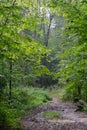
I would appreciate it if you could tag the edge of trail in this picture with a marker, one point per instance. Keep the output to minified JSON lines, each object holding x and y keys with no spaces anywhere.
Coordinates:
{"x":70,"y":118}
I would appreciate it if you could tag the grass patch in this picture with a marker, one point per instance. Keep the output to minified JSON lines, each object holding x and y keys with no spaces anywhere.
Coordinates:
{"x":58,"y":93}
{"x":52,"y":114}
{"x":23,"y":99}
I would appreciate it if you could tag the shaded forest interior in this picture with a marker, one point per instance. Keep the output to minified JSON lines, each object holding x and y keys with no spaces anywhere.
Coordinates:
{"x":43,"y":47}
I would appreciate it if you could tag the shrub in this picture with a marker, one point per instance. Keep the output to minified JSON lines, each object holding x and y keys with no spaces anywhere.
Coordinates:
{"x":22,"y":99}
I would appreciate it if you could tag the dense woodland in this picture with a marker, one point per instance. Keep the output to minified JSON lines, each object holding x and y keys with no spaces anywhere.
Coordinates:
{"x":43,"y":46}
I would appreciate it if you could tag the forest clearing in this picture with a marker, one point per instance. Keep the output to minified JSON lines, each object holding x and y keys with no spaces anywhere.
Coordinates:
{"x":43,"y":64}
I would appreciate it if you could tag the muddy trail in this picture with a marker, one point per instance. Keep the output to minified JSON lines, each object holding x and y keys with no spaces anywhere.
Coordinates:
{"x":70,"y":119}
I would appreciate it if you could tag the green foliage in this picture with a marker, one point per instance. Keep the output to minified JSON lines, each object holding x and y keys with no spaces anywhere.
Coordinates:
{"x":58,"y":92}
{"x":73,"y":68}
{"x":85,"y":109}
{"x":20,"y":59}
{"x":20,"y":54}
{"x":8,"y":117}
{"x":2,"y":83}
{"x":22,"y":100}
{"x":52,"y":114}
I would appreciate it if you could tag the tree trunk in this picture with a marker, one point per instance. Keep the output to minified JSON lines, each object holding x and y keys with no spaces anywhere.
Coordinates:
{"x":10,"y":80}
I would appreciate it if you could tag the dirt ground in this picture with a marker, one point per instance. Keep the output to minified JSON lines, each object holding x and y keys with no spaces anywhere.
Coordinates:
{"x":70,"y":119}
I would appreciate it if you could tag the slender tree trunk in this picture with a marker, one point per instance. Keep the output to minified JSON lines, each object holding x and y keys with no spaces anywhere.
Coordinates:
{"x":10,"y":80}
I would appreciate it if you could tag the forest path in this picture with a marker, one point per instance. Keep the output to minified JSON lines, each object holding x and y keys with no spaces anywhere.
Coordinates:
{"x":69,"y":120}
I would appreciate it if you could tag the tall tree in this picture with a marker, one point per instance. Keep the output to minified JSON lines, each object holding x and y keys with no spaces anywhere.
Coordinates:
{"x":15,"y":17}
{"x":73,"y":60}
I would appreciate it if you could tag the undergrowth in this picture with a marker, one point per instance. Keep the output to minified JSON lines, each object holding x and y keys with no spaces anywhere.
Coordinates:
{"x":68,"y":95}
{"x":58,"y":93}
{"x":23,"y":99}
